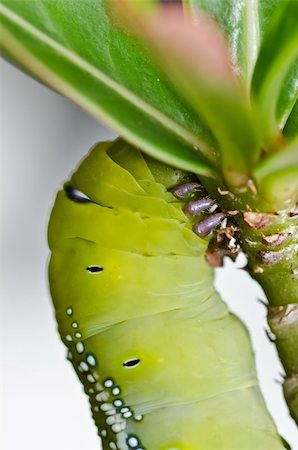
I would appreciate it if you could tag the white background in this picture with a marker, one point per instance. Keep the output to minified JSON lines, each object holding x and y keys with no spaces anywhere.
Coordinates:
{"x":42,"y":405}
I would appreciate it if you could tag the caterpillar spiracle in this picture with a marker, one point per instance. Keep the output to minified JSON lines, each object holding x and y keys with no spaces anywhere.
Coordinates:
{"x":164,"y":363}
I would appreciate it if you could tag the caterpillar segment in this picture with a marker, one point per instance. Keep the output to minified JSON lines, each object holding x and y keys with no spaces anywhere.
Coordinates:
{"x":164,"y":363}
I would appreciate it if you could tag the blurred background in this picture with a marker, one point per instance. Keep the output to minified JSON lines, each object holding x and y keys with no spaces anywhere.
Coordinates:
{"x":42,"y":405}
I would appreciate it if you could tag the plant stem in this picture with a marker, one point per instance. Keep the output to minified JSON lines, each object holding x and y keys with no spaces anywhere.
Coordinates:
{"x":270,"y":241}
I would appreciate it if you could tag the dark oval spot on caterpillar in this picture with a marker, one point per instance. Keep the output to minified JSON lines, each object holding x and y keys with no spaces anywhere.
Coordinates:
{"x":132,"y":362}
{"x":76,"y":195}
{"x":94,"y":269}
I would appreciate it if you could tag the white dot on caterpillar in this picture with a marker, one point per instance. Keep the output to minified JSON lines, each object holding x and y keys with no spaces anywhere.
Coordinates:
{"x":124,"y":409}
{"x":122,"y":425}
{"x":69,"y":311}
{"x":138,"y":418}
{"x":78,"y":335}
{"x":103,"y":433}
{"x":116,"y":390}
{"x":91,"y":391}
{"x":106,"y":407}
{"x":108,"y":383}
{"x":112,"y":445}
{"x":80,"y":347}
{"x":118,"y":402}
{"x":69,"y":356}
{"x":110,"y":420}
{"x":111,"y":412}
{"x":74,"y":324}
{"x":90,"y":378}
{"x":68,"y":337}
{"x":96,"y":408}
{"x":127,"y":414}
{"x":99,"y":387}
{"x":115,"y":418}
{"x":102,"y":397}
{"x":84,"y":366}
{"x":91,"y":360}
{"x":133,"y":442}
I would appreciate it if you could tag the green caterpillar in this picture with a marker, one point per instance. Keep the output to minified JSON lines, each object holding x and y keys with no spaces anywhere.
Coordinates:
{"x":165,"y":365}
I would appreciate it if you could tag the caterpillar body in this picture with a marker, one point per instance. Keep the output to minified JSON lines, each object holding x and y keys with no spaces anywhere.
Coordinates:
{"x":165,"y":365}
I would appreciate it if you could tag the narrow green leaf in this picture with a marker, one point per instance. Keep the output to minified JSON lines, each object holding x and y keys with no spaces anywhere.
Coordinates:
{"x":274,"y":83}
{"x":206,"y":80}
{"x":290,"y":130}
{"x":75,"y":48}
{"x":277,"y":176}
{"x":288,"y":95}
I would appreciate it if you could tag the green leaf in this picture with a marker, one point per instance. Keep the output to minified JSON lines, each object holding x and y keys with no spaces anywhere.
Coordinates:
{"x":232,"y":123}
{"x":277,"y":176}
{"x":274,"y":83}
{"x":205,"y":78}
{"x":75,"y":47}
{"x":290,"y":130}
{"x":288,"y":96}
{"x":244,"y":23}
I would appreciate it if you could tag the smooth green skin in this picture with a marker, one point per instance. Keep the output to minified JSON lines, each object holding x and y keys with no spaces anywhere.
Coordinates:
{"x":195,"y":386}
